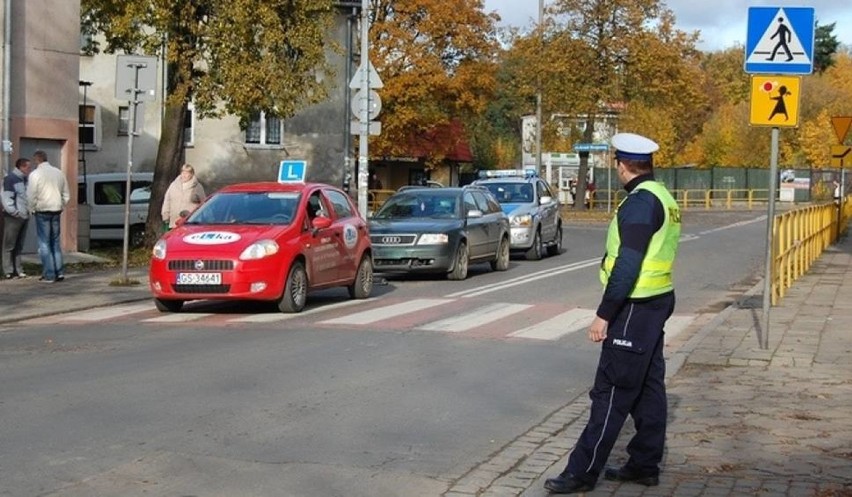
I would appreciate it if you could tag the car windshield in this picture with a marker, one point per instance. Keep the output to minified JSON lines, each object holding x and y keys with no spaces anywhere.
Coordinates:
{"x":517,"y":193}
{"x":247,"y":208}
{"x":424,"y":203}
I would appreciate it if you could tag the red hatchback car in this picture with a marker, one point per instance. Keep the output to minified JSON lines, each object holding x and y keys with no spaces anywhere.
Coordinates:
{"x":264,"y":241}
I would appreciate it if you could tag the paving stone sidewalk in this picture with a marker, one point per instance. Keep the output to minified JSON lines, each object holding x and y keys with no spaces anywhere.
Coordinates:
{"x":743,"y":421}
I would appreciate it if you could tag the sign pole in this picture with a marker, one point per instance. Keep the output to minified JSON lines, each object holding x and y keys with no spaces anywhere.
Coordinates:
{"x":770,"y":222}
{"x":363,"y":153}
{"x":134,"y":100}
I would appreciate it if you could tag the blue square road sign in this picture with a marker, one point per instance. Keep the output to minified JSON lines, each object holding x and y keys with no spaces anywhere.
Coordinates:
{"x":780,"y":40}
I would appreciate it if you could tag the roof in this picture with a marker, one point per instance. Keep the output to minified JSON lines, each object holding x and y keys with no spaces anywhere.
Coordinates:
{"x":448,"y":139}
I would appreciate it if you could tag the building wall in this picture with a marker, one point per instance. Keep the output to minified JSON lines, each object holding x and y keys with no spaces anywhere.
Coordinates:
{"x":44,"y":79}
{"x":218,"y":151}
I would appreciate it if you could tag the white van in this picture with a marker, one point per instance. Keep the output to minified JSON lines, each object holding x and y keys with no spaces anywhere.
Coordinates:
{"x":104,"y":194}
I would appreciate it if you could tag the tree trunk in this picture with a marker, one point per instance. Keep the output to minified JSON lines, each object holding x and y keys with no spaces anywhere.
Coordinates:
{"x":583,"y":172}
{"x":169,"y":158}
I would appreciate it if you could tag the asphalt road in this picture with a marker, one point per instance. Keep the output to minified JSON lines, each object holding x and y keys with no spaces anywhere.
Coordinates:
{"x":336,"y":401}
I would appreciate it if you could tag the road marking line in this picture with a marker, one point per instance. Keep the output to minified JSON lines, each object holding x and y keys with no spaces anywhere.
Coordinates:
{"x":482,"y":290}
{"x":556,"y":327}
{"x":479,"y":317}
{"x":275,"y":317}
{"x":104,"y":313}
{"x":179,"y":318}
{"x":386,"y":312}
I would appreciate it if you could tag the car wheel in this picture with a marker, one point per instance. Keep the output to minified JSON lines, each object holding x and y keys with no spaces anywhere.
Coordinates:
{"x":363,"y":284}
{"x":168,"y":305}
{"x":459,"y":271}
{"x":501,"y":263}
{"x":295,"y":292}
{"x":535,"y":252}
{"x":556,"y":248}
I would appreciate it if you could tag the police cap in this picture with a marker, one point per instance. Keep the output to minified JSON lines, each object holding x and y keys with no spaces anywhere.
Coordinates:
{"x":631,"y":146}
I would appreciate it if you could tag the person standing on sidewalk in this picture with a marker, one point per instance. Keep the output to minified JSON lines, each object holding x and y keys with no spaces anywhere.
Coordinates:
{"x":15,"y":216}
{"x":47,"y":195}
{"x":184,"y":195}
{"x":638,"y":298}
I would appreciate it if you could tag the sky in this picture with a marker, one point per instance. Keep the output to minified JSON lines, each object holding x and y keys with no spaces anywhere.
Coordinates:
{"x":723,"y":23}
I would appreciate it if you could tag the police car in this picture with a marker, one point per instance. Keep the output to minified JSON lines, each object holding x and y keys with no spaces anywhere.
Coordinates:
{"x":264,"y":241}
{"x":533,"y":210}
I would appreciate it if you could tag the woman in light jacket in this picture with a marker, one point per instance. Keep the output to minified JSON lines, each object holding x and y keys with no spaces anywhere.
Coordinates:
{"x":184,"y":194}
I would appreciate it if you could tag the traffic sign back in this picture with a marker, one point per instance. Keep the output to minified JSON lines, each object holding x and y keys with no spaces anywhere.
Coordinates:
{"x":780,"y":40}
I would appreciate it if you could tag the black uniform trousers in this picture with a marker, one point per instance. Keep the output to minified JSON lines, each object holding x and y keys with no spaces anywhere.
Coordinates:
{"x":630,"y":379}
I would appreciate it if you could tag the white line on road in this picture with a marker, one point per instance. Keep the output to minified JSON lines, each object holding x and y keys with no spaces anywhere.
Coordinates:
{"x":280,"y":316}
{"x":179,"y":318}
{"x":556,"y":327}
{"x":104,"y":313}
{"x":479,"y":317}
{"x":547,"y":273}
{"x":386,"y":312}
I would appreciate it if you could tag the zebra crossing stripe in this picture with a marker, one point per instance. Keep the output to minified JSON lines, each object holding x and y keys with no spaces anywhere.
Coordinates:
{"x":479,"y":317}
{"x":556,"y":327}
{"x":104,"y":313}
{"x":280,"y":316}
{"x":179,"y":318}
{"x":387,"y":312}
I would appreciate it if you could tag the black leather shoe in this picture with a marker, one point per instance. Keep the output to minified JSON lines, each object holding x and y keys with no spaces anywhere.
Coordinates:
{"x":627,"y":474}
{"x":567,"y":484}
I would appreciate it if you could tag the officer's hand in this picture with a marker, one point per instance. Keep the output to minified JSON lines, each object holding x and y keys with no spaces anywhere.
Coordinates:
{"x":597,"y":331}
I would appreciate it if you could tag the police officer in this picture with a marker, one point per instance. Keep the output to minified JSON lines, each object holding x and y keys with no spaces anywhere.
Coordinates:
{"x":638,"y":299}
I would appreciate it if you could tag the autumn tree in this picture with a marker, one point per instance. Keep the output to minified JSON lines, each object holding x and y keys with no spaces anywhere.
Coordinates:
{"x":597,"y":52}
{"x":224,"y":56}
{"x":436,"y":59}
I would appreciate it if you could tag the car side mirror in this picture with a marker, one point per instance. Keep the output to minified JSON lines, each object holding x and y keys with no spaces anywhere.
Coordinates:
{"x":320,"y":223}
{"x":184,"y":214}
{"x":474,"y":213}
{"x":545,"y":200}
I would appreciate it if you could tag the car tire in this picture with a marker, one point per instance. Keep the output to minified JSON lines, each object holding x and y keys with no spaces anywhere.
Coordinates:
{"x":534,"y":253}
{"x":461,"y":263}
{"x":556,"y":248}
{"x":501,"y":262}
{"x":295,"y":292}
{"x":168,"y":305}
{"x":363,"y":284}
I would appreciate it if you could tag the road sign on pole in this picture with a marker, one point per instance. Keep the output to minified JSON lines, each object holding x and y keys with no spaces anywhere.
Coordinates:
{"x":780,"y":40}
{"x":775,"y":101}
{"x":841,"y":126}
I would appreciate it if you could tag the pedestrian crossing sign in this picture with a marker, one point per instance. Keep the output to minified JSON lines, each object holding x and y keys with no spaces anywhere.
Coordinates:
{"x":780,"y":40}
{"x":775,"y":101}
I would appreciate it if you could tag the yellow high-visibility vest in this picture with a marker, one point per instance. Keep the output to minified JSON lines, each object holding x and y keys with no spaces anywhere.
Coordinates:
{"x":655,"y":275}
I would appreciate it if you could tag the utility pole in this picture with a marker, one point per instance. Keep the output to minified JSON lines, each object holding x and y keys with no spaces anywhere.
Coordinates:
{"x":363,"y":152}
{"x":538,"y":95}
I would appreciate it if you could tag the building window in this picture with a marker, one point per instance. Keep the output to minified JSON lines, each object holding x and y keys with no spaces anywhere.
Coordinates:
{"x":89,"y":134}
{"x":123,"y":120}
{"x":189,"y":126}
{"x":264,"y":129}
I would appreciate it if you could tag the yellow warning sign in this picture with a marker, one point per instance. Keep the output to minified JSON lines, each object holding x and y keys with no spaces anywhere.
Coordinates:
{"x":841,"y":127}
{"x":775,"y":101}
{"x":841,"y":156}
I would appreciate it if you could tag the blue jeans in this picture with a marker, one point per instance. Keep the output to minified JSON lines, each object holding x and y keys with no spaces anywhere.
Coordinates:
{"x":49,"y":248}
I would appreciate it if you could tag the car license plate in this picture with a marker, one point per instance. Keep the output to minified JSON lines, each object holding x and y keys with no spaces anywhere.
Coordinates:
{"x":199,"y":278}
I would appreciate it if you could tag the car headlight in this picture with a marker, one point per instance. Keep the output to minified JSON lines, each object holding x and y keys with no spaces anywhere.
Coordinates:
{"x":522,"y":220}
{"x":259,"y":250}
{"x":159,"y":251}
{"x":433,"y":239}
